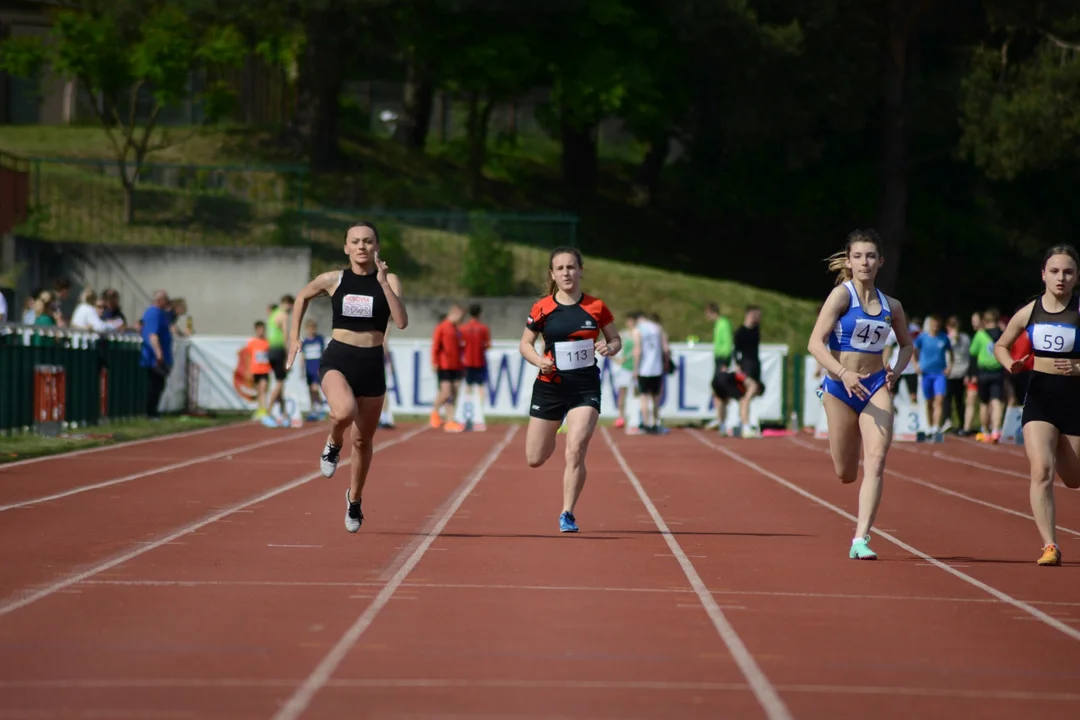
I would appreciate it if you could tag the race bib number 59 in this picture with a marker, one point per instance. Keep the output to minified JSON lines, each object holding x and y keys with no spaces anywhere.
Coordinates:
{"x":1053,"y":338}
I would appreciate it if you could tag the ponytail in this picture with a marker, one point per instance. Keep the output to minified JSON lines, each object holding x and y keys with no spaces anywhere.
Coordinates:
{"x":551,"y":286}
{"x":838,"y":264}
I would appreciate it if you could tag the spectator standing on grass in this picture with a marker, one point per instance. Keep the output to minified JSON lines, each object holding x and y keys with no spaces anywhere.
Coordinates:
{"x":723,"y":344}
{"x":157,"y":348}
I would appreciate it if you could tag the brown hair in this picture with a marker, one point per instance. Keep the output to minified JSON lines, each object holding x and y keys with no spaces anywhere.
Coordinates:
{"x":1061,"y":250}
{"x":552,"y":286}
{"x":836,"y":260}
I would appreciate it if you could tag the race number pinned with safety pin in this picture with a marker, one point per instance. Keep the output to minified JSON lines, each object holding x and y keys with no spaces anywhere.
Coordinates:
{"x":869,"y":335}
{"x":572,"y":355}
{"x":1053,"y":338}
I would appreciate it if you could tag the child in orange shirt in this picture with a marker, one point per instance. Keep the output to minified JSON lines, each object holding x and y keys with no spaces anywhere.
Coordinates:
{"x":256,"y":358}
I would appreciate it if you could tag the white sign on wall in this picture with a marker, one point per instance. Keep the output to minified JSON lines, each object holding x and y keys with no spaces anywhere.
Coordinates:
{"x":411,"y":381}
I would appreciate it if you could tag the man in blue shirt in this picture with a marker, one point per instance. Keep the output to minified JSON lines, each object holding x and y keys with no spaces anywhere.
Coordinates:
{"x":934,"y":357}
{"x":157,"y":347}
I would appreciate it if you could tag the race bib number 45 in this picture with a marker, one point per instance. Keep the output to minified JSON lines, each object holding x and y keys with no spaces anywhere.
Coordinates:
{"x":1053,"y":338}
{"x":869,"y":335}
{"x":574,"y":355}
{"x":356,"y":306}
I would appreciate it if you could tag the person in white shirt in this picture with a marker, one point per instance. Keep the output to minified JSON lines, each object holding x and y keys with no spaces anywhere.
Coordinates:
{"x":3,"y":308}
{"x":650,"y":354}
{"x":87,"y":315}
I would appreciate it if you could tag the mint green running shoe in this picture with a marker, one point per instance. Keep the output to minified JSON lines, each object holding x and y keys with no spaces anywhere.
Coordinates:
{"x":860,"y":549}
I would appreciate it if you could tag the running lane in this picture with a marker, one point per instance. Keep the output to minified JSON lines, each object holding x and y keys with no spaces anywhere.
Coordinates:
{"x":40,"y":477}
{"x":77,"y":530}
{"x":995,"y":546}
{"x":225,"y":621}
{"x":504,"y":616}
{"x":897,"y":638}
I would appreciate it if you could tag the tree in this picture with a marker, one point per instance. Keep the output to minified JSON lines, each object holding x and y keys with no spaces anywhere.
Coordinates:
{"x":124,"y":55}
{"x":1020,"y":104}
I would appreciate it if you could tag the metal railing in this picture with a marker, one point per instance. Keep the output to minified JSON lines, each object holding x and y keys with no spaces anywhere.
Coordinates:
{"x":54,"y":378}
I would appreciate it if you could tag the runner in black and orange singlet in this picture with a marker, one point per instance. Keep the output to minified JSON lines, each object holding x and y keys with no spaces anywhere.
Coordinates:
{"x":576,"y":328}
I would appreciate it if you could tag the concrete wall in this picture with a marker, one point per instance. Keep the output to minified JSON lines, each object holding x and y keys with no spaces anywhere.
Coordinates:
{"x":227,"y":289}
{"x":505,"y":316}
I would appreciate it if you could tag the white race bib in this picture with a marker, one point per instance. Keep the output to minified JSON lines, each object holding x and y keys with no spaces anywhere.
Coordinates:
{"x":1053,"y":338}
{"x":262,"y":357}
{"x":356,"y":305}
{"x":575,"y":354}
{"x":869,"y":335}
{"x":312,"y":351}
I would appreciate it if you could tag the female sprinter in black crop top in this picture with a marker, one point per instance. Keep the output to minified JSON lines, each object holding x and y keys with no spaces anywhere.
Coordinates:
{"x":364,"y":297}
{"x":1051,"y":418}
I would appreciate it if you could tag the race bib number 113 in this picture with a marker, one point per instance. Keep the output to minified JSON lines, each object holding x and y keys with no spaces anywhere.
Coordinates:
{"x":574,"y":355}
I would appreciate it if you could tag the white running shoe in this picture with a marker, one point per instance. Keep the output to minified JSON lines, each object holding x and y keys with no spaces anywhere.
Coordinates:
{"x":353,"y":516}
{"x":328,"y":462}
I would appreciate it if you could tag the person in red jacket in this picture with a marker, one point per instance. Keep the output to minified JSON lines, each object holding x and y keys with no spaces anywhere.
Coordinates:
{"x":477,"y":340}
{"x":446,"y":362}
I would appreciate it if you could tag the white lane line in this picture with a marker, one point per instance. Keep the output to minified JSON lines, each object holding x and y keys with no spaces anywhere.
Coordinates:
{"x":55,"y":587}
{"x":118,"y":446}
{"x":160,"y":469}
{"x":766,"y":694}
{"x":947,"y":491}
{"x":322,"y":673}
{"x":523,"y":683}
{"x":1003,"y":597}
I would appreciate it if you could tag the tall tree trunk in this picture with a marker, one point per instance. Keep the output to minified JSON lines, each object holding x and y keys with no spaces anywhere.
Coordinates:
{"x":901,"y":20}
{"x":322,"y":78}
{"x":478,"y":122}
{"x":418,"y":103}
{"x":647,"y":178}
{"x":579,"y":158}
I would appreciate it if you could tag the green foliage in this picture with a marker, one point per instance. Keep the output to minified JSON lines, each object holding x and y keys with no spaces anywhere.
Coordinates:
{"x":117,"y":53}
{"x":1023,"y":116}
{"x":488,"y":262}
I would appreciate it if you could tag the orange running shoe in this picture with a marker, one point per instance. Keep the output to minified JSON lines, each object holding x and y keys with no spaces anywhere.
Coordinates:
{"x":436,"y":419}
{"x":1051,"y":555}
{"x":453,"y":427}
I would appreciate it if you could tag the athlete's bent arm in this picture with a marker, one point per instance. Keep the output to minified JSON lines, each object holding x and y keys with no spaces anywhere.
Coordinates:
{"x":835,"y":306}
{"x":527,"y":348}
{"x":322,"y":284}
{"x":392,"y":288}
{"x":1003,"y":346}
{"x":904,"y":346}
{"x":612,"y":342}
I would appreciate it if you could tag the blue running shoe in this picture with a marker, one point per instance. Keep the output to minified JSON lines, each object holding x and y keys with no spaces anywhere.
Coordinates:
{"x":567,"y":522}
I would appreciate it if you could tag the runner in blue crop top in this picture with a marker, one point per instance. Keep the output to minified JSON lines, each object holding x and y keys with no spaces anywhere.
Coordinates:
{"x":847,"y":341}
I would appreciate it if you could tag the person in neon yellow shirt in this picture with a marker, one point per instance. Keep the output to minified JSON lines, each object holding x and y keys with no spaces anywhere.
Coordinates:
{"x":990,"y":375}
{"x":723,"y":345}
{"x":276,"y":333}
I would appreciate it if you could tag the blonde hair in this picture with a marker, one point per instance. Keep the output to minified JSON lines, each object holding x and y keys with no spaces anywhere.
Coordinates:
{"x":838,"y":261}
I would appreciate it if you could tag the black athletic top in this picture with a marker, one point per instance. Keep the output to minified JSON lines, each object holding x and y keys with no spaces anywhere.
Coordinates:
{"x":1054,"y":335}
{"x":359,"y":303}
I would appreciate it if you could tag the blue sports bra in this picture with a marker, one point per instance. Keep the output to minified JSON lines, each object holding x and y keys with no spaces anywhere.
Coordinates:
{"x":857,"y":330}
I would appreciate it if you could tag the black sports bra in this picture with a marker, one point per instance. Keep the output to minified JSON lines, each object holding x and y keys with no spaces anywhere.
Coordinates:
{"x":1054,"y":335}
{"x":359,"y":303}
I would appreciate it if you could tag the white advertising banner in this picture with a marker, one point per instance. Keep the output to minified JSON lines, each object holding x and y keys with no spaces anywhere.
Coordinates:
{"x":411,"y":381}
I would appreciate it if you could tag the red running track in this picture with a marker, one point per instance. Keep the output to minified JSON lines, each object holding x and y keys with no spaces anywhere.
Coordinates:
{"x":710,"y":579}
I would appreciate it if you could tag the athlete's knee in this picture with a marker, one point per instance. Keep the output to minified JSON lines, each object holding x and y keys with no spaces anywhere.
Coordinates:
{"x":535,"y":457}
{"x":575,"y":454}
{"x":342,"y":413}
{"x":1042,"y":474}
{"x":847,"y":472}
